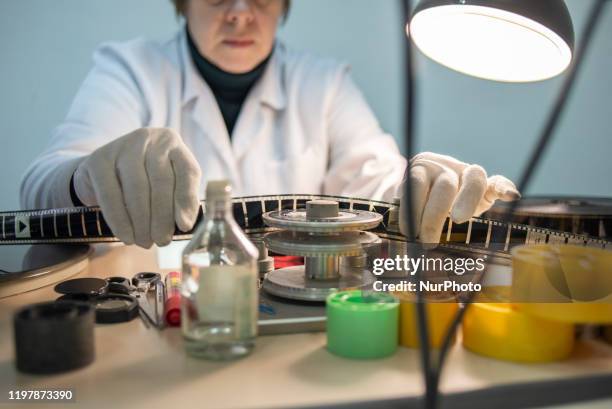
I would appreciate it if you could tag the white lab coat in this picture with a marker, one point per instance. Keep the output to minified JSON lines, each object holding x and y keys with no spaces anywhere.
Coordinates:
{"x":304,"y":127}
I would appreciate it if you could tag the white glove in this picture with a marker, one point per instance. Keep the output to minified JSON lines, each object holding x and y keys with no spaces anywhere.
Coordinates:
{"x":442,"y":185}
{"x":144,"y":182}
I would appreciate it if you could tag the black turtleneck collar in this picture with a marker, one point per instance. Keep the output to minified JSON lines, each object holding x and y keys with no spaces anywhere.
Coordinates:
{"x":230,"y":90}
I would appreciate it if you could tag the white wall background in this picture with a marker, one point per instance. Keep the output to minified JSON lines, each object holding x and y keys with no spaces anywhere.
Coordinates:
{"x":46,"y":49}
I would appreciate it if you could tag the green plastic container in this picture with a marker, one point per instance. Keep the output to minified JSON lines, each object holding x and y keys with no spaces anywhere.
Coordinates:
{"x":361,"y":327}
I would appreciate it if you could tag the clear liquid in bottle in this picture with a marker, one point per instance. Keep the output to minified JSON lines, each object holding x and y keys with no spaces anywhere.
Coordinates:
{"x":219,"y":288}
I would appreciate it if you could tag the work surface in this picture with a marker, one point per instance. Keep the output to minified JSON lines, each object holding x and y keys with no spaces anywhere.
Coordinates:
{"x":136,"y":367}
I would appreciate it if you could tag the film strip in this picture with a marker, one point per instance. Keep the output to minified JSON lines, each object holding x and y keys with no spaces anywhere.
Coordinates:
{"x":590,"y":216}
{"x":87,"y":225}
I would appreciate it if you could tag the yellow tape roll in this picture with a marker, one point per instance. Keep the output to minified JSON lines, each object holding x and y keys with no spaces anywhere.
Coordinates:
{"x":564,"y":283}
{"x":502,"y":332}
{"x":440,"y":313}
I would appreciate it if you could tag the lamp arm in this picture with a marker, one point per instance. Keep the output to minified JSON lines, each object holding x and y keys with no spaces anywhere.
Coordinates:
{"x":409,"y":127}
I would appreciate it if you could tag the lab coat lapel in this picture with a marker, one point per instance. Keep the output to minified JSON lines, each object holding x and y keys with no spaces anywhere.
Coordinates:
{"x":206,"y":113}
{"x":257,"y":113}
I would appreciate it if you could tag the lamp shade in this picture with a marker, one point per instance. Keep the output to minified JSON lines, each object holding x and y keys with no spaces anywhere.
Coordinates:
{"x":500,"y":40}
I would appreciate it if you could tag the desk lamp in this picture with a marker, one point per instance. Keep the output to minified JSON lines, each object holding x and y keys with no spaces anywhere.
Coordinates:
{"x":500,"y":40}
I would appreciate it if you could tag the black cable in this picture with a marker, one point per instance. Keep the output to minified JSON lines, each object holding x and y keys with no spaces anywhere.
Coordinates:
{"x":534,"y":161}
{"x":410,"y":120}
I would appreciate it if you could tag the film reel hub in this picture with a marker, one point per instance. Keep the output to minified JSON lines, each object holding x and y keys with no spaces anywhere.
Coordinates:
{"x":322,"y":234}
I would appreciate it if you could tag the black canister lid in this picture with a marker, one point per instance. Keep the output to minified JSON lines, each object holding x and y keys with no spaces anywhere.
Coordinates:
{"x":89,"y":286}
{"x":114,"y":308}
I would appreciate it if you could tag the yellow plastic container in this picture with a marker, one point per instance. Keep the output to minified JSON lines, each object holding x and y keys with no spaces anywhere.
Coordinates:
{"x":440,"y":312}
{"x":503,"y":332}
{"x":564,"y":283}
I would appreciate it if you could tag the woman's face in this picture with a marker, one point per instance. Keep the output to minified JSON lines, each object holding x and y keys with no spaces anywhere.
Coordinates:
{"x":235,"y":35}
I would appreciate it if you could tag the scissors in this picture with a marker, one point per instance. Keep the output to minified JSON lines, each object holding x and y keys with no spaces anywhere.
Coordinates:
{"x":139,"y":287}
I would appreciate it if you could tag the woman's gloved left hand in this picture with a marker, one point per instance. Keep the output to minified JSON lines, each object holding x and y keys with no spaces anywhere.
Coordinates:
{"x":443,"y":186}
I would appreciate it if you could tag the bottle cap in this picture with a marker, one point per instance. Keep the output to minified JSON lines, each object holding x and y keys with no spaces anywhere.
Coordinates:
{"x":218,"y":190}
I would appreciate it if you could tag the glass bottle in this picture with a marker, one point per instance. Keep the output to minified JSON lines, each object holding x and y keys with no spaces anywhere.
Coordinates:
{"x":219,"y":289}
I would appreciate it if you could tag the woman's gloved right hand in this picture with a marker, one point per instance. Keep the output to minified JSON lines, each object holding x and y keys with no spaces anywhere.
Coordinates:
{"x":145,"y":182}
{"x":443,"y":186}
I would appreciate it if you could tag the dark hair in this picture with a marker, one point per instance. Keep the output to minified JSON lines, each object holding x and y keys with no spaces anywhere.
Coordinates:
{"x":181,"y":5}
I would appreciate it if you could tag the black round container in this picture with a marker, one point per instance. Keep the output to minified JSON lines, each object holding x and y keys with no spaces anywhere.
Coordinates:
{"x":54,"y":337}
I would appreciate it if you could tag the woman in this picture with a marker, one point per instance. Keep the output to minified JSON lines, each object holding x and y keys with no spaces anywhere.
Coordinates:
{"x":152,"y":123}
